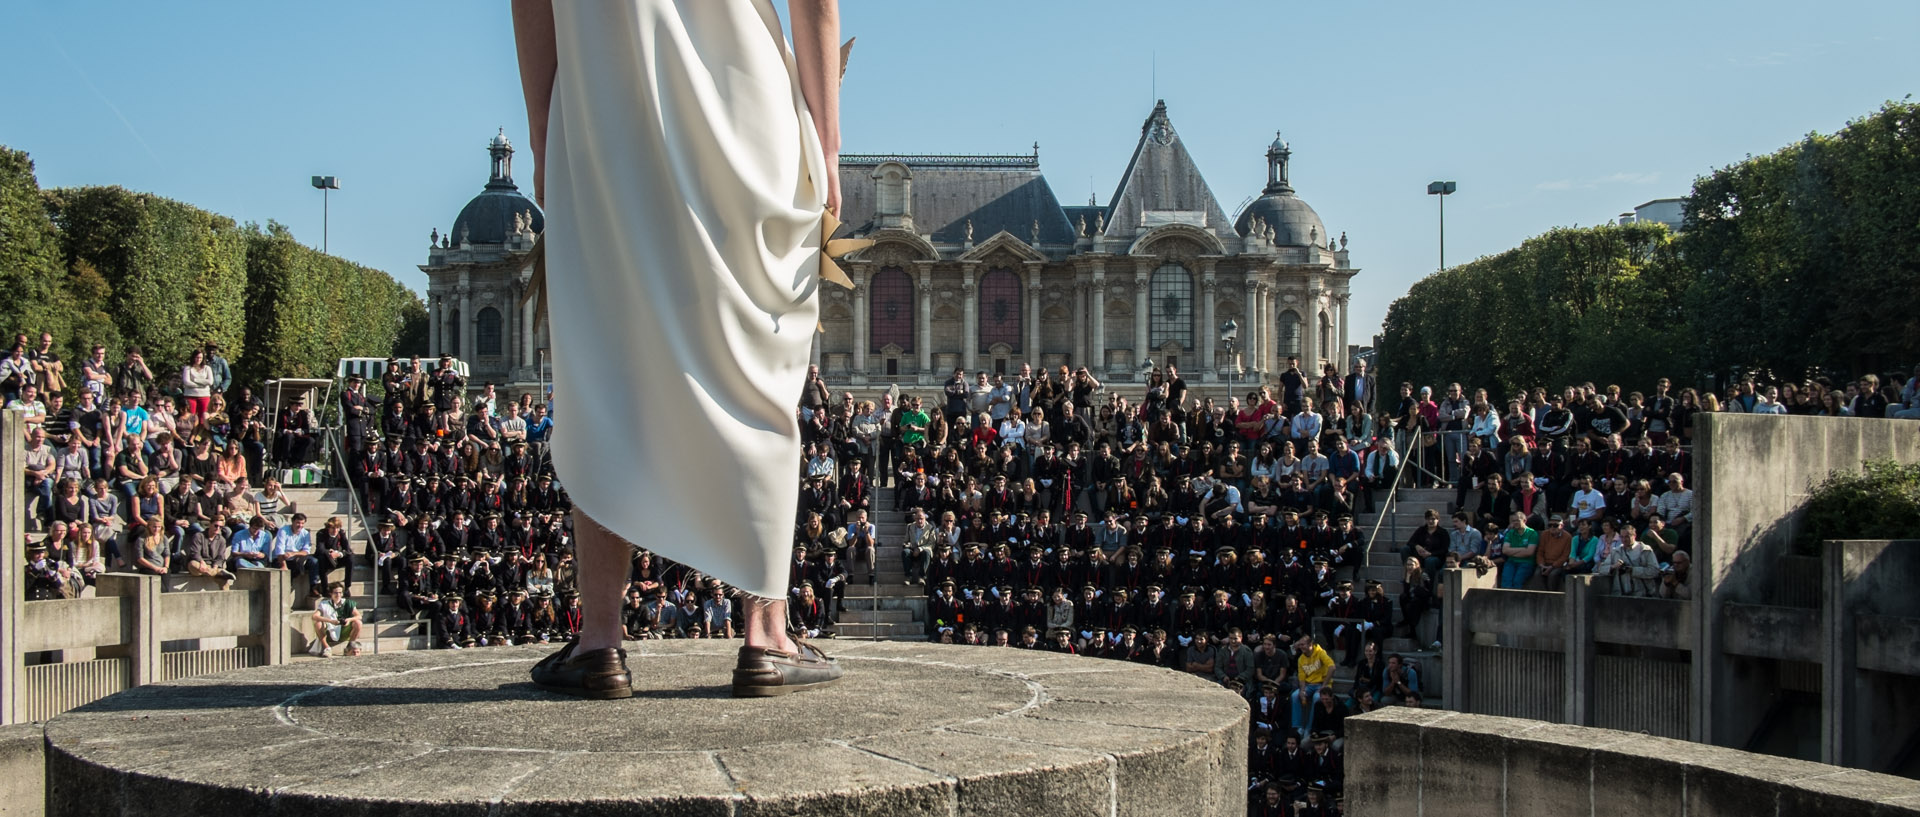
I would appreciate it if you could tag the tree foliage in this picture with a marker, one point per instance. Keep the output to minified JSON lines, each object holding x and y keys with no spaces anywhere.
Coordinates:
{"x":305,"y":310}
{"x":1879,"y":501}
{"x":1586,"y":303}
{"x":110,"y":266}
{"x":1807,"y":258}
{"x":176,"y":275}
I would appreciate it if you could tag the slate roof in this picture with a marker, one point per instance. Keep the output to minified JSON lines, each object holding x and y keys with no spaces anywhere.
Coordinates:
{"x":995,"y":192}
{"x":1162,"y":176}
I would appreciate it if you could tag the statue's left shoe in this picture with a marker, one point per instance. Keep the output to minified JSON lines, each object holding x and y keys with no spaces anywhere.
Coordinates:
{"x":763,"y":672}
{"x":600,"y":674}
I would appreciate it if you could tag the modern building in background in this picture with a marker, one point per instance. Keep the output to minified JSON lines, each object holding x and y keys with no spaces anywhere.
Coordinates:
{"x":978,"y":265}
{"x":1664,"y":211}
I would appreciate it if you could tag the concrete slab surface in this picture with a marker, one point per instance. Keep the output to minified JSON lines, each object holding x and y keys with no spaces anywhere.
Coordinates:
{"x":915,"y":729}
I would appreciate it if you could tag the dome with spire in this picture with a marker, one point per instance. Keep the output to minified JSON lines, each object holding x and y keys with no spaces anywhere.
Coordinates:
{"x":1292,"y":221}
{"x":489,"y":217}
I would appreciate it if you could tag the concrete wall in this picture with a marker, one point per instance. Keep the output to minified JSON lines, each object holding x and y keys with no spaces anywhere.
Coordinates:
{"x":1751,"y":476}
{"x":23,"y":770}
{"x":1432,"y":763}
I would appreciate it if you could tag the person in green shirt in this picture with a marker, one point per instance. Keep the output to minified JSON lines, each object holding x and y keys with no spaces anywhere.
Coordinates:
{"x":1518,"y":542}
{"x":913,"y":425}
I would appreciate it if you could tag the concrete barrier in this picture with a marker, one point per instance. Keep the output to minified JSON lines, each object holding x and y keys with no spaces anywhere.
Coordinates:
{"x":1432,"y":763}
{"x":23,"y":770}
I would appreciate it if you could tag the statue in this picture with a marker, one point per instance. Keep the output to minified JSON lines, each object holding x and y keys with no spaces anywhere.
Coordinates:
{"x":519,"y":223}
{"x":1329,"y":245}
{"x":1100,"y":222}
{"x":1083,"y":223}
{"x":1313,"y":235}
{"x":1343,"y":239}
{"x":466,"y":230}
{"x":1036,"y":232}
{"x":969,"y":231}
{"x":434,"y":240}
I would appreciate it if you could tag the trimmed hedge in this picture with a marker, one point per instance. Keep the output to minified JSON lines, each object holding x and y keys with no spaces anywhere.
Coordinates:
{"x":306,"y":310}
{"x":176,"y":274}
{"x":110,"y":266}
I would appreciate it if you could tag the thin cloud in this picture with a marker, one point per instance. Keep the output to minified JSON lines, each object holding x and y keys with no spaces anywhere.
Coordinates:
{"x":102,"y":97}
{"x":1624,"y":177}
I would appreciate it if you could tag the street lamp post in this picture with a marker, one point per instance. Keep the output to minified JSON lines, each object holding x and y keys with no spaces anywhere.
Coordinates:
{"x":1443,"y":190}
{"x":1229,"y":337}
{"x":324,"y":184}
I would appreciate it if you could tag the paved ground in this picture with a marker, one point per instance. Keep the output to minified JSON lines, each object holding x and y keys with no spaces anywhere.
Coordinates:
{"x":915,"y":729}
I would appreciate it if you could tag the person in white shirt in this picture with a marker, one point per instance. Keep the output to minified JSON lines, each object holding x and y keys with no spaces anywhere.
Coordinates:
{"x":1013,"y":432}
{"x":1676,"y":508}
{"x":1000,"y":399}
{"x":1305,"y":426}
{"x":1588,"y":503}
{"x":820,"y":462}
{"x":1635,"y":567}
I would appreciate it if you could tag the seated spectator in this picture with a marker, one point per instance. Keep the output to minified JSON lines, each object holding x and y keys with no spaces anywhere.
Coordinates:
{"x":1518,"y":544}
{"x":336,"y":621}
{"x":1635,"y":569}
{"x":292,"y":549}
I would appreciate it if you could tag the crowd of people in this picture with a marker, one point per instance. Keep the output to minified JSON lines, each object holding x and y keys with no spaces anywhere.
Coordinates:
{"x":1042,"y":511}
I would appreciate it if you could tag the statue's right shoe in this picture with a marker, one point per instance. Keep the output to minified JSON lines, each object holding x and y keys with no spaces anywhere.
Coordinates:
{"x":763,"y":672}
{"x":600,"y":674}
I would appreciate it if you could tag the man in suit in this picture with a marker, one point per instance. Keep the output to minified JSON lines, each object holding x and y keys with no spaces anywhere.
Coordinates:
{"x":1360,"y":389}
{"x":355,"y":409}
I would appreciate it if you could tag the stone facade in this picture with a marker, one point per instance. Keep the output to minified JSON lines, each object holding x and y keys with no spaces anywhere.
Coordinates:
{"x":978,"y":265}
{"x":476,"y":274}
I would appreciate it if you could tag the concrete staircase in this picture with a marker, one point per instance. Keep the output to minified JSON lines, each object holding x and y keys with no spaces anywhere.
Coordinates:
{"x":889,"y":608}
{"x":1396,"y":521}
{"x":385,"y":627}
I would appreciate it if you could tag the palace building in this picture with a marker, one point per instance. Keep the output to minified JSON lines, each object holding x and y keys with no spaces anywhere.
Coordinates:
{"x":978,"y":265}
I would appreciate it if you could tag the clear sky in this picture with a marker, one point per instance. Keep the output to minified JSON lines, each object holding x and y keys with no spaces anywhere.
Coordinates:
{"x":1546,"y":114}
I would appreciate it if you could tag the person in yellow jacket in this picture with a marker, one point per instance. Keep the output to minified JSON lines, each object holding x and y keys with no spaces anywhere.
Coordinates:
{"x":1314,"y":668}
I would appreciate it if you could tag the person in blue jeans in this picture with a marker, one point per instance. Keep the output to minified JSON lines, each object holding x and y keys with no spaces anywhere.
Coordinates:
{"x":1518,"y":543}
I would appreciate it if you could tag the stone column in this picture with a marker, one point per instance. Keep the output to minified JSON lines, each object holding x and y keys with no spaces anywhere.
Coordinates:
{"x":433,"y":326}
{"x":143,"y":638}
{"x":1080,"y":341}
{"x":527,"y":334}
{"x":1580,"y":655}
{"x":13,"y":587}
{"x":268,"y":588}
{"x":1096,"y":309}
{"x":862,"y":280}
{"x":1032,"y":352}
{"x":1250,"y":336}
{"x":925,"y":293}
{"x":1342,"y":338}
{"x":813,"y":353}
{"x":969,"y":317}
{"x":1209,"y":332}
{"x":1458,"y":654}
{"x":1310,"y":334}
{"x":1142,"y":342}
{"x":466,"y":325}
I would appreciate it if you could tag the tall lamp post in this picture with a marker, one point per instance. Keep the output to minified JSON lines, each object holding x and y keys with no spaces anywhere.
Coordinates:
{"x":1230,"y":338}
{"x":324,"y":184}
{"x":1443,"y":190}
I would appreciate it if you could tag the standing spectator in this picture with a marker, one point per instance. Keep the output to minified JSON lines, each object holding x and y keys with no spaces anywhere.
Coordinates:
{"x":41,"y":470}
{"x":1313,"y":668}
{"x":222,"y":373}
{"x":197,"y":380}
{"x":94,"y":375}
{"x":16,"y":372}
{"x":133,"y":374}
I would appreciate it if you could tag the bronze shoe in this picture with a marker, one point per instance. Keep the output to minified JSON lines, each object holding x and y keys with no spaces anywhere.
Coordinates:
{"x":600,"y":674}
{"x":764,"y":672}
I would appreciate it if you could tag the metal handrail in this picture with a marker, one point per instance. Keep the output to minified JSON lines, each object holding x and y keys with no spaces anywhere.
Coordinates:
{"x":335,"y":440}
{"x":1386,"y":510}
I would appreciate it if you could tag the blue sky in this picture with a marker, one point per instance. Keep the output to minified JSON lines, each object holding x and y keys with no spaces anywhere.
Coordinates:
{"x":1546,"y":114}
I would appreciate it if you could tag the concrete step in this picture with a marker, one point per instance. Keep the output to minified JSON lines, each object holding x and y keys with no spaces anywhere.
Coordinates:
{"x":890,"y":630}
{"x":855,"y":615}
{"x":916,"y":605}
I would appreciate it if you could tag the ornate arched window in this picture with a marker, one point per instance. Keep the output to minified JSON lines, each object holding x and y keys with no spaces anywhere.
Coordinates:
{"x":890,"y":305}
{"x":1000,"y":309}
{"x":486,"y":332}
{"x":1288,"y":330}
{"x":1171,"y":312}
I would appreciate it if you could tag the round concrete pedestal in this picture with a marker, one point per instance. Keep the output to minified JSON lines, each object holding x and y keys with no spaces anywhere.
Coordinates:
{"x":914,"y":729}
